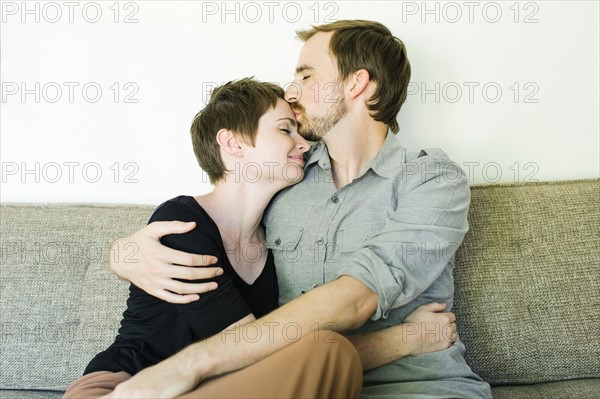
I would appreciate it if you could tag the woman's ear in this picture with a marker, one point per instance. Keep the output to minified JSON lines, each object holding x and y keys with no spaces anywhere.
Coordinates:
{"x":359,"y":81}
{"x":229,"y":142}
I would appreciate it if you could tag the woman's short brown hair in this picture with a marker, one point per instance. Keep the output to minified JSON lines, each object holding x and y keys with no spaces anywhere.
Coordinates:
{"x":358,"y":44}
{"x":235,"y":106}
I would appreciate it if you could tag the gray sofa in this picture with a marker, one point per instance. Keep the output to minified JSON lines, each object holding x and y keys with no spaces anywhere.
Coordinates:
{"x":527,"y":290}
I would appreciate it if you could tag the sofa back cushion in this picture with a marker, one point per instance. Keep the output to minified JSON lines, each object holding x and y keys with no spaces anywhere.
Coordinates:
{"x":527,"y":281}
{"x":59,"y":304}
{"x":527,"y":285}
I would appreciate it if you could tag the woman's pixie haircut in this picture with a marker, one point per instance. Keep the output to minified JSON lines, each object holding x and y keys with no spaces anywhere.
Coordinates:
{"x":235,"y":106}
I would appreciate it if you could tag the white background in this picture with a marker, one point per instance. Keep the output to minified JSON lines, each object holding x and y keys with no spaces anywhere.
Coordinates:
{"x":161,"y":58}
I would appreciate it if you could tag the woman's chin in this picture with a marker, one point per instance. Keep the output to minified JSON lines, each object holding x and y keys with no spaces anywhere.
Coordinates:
{"x":293,"y":173}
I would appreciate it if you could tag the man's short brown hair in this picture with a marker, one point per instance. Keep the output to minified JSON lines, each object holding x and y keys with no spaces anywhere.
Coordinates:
{"x":358,"y":44}
{"x":235,"y":106}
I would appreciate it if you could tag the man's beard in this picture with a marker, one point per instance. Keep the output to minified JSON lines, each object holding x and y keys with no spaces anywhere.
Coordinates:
{"x":316,"y":127}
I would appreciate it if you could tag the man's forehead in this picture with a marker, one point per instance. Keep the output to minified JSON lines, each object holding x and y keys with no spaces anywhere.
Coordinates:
{"x":315,"y":52}
{"x":318,"y":43}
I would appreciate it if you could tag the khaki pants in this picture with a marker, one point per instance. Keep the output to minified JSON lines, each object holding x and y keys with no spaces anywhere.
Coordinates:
{"x":324,"y":365}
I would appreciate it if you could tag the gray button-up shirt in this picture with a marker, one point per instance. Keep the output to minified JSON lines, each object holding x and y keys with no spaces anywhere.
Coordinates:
{"x":395,"y":228}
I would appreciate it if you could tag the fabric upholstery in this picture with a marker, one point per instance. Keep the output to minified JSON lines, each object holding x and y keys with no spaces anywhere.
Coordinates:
{"x":59,"y":303}
{"x":551,"y":390}
{"x":527,"y":281}
{"x":527,"y":289}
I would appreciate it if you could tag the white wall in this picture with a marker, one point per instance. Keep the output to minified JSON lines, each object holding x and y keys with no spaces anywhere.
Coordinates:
{"x":163,"y":61}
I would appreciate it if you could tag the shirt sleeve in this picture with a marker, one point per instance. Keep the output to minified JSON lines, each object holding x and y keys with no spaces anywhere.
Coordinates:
{"x":215,"y":310}
{"x":420,"y":238}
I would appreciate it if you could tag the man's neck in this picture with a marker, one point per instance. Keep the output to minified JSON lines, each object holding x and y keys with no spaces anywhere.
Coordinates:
{"x":352,"y":150}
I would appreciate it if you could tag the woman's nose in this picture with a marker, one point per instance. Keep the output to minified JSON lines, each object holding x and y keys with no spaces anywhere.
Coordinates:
{"x":302,"y":144}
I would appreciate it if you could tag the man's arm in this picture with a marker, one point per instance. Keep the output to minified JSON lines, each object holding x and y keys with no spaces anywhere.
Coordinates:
{"x":424,"y":330}
{"x":142,"y":260}
{"x":414,"y":251}
{"x":343,"y":304}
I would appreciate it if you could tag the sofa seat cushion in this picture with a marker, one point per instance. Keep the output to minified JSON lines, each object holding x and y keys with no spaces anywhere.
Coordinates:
{"x":574,"y":389}
{"x":23,"y":394}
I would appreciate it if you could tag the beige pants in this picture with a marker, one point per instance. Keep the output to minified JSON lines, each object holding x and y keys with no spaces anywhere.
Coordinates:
{"x":324,"y":365}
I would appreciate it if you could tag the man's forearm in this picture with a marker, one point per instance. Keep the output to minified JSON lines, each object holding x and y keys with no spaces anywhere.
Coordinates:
{"x":340,"y":305}
{"x":380,"y":347}
{"x":426,"y":329}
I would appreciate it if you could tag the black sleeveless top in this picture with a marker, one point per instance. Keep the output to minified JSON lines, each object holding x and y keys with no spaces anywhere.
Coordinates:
{"x":152,"y":329}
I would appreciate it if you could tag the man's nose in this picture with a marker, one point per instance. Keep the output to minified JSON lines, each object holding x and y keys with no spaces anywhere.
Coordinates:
{"x":292,"y":93}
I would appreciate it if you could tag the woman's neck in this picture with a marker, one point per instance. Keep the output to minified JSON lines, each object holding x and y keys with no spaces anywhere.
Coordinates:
{"x":237,"y":209}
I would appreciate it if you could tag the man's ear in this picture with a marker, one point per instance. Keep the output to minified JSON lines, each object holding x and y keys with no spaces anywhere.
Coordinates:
{"x":358,"y":82}
{"x":228,"y":141}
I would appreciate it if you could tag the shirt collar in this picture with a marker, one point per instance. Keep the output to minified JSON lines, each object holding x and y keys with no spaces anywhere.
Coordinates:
{"x":318,"y":153}
{"x":381,"y":163}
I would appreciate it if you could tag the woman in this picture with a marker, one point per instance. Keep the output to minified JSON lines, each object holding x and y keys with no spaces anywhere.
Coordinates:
{"x":246,"y":140}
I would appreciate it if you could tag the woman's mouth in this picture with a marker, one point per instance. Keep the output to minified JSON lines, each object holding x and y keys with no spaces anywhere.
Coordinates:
{"x":298,"y":159}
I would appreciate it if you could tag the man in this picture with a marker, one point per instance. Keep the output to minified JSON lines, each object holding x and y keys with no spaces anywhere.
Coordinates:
{"x":364,"y":239}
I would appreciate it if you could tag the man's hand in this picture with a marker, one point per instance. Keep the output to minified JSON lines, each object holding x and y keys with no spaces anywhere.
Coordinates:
{"x":426,"y":329}
{"x":153,"y":267}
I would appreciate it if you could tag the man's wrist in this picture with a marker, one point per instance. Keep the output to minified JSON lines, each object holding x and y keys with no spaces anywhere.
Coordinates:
{"x":403,"y":333}
{"x":194,"y":363}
